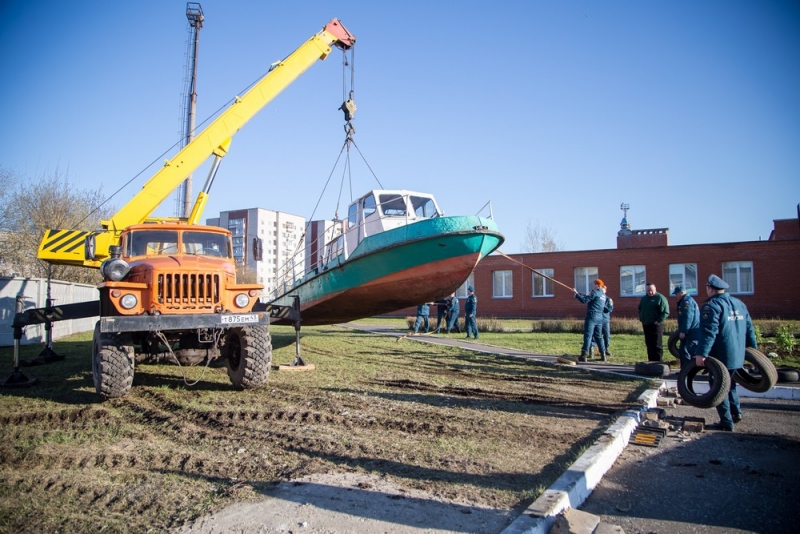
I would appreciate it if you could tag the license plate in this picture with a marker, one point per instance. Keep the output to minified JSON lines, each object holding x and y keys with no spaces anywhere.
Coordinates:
{"x":244,"y":318}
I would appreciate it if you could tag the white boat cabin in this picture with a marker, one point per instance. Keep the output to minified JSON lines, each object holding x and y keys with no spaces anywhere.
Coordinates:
{"x":377,"y":211}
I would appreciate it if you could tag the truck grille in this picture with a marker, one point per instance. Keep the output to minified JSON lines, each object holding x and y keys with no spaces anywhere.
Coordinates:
{"x":188,"y":291}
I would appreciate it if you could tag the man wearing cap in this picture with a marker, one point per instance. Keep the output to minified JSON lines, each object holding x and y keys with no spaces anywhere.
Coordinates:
{"x":653,"y":311}
{"x":725,"y":331}
{"x":470,"y":309}
{"x":593,"y":323}
{"x":688,"y":324}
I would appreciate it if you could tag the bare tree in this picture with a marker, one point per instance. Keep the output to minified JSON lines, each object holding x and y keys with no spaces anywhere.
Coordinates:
{"x":29,"y":207}
{"x":540,"y":238}
{"x":245,"y":275}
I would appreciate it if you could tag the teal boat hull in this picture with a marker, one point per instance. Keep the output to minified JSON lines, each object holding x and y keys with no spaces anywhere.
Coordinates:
{"x":395,"y":269}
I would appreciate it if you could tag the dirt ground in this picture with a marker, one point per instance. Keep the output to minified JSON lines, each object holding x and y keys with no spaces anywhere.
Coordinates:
{"x":464,"y":438}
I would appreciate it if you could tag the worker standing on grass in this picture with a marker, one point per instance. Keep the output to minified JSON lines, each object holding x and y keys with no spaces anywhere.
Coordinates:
{"x":725,"y":331}
{"x":423,"y":311}
{"x":593,"y":323}
{"x":470,"y":313}
{"x":441,"y":314}
{"x":453,"y":308}
{"x":688,"y":325}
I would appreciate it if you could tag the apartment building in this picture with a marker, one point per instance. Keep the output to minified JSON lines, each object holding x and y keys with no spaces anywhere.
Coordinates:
{"x":267,"y":242}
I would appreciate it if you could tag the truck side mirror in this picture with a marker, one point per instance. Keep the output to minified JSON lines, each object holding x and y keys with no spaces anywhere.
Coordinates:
{"x":89,"y":247}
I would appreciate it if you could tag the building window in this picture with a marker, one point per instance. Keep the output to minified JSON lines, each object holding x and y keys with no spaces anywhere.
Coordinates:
{"x":632,"y":280}
{"x":502,"y":285}
{"x":584,"y":278}
{"x":739,"y":276}
{"x":684,"y":275}
{"x":461,"y":292}
{"x":542,"y":287}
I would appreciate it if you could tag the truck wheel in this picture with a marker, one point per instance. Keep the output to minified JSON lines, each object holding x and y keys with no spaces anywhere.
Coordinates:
{"x":112,"y":365}
{"x":719,"y":384}
{"x":758,"y":374}
{"x":674,"y":344}
{"x":248,"y":352}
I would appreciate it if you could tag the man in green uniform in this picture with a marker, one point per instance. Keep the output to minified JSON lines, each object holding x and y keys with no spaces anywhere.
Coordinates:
{"x":653,"y":311}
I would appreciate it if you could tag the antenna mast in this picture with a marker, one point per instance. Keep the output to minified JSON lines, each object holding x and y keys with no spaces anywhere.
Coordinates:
{"x":194,"y":13}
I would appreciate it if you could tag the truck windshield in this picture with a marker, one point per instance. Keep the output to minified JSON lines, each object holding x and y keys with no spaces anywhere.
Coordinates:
{"x":152,"y":243}
{"x":206,"y":244}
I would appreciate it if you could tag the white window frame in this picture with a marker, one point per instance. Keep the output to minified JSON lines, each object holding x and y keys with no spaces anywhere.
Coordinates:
{"x":547,"y":288}
{"x":584,"y":278}
{"x":502,"y":284}
{"x":684,"y":275}
{"x":461,"y":292}
{"x":739,"y":276}
{"x":638,"y":275}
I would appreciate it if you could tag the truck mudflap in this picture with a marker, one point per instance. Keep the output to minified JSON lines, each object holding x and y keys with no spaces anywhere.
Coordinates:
{"x":162,"y":323}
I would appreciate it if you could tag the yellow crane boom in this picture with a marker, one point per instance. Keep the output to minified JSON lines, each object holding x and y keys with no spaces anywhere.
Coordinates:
{"x":71,"y":247}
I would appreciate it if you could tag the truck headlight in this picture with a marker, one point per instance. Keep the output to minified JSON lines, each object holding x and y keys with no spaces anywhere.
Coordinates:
{"x":115,"y":269}
{"x":242,"y":300}
{"x":128,"y":301}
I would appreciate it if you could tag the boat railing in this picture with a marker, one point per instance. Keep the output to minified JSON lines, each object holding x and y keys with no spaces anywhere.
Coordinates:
{"x":489,"y":205}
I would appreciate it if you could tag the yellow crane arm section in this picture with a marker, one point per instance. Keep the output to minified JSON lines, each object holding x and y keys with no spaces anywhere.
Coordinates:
{"x":67,"y":247}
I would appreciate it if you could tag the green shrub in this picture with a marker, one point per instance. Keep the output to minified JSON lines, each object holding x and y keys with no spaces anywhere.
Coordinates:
{"x":785,"y":339}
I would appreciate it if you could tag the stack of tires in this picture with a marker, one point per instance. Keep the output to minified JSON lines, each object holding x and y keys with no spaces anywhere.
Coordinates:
{"x":758,"y":375}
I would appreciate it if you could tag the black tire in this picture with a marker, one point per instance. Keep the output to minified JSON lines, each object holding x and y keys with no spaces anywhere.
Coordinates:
{"x":758,"y":374}
{"x":674,"y":344}
{"x":788,"y":374}
{"x":248,"y":353}
{"x":719,"y":383}
{"x":651,"y":369}
{"x":112,"y":364}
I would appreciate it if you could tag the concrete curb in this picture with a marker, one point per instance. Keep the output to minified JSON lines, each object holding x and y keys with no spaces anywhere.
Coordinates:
{"x":572,"y":488}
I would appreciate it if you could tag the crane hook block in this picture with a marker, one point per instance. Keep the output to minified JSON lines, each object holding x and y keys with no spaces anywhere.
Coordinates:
{"x":349,"y":108}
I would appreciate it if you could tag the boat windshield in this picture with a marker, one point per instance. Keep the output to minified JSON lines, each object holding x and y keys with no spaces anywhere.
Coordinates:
{"x":424,"y":207}
{"x":393,"y":205}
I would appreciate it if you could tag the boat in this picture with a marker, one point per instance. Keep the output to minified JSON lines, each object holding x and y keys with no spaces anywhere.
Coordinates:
{"x":395,"y":249}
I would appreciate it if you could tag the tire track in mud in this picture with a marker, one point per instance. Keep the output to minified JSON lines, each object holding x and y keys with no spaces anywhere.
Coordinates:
{"x":504,"y":396}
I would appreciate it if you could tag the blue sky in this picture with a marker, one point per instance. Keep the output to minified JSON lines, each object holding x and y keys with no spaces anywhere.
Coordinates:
{"x":555,"y":111}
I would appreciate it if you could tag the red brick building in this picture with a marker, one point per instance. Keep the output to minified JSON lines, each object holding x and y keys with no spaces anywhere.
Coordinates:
{"x":763,"y":274}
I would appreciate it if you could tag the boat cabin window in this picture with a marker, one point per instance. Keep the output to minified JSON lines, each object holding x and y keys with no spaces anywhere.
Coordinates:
{"x":206,"y":244}
{"x":393,"y":205}
{"x":424,"y":207}
{"x":151,"y":242}
{"x":369,"y":206}
{"x":352,"y":215}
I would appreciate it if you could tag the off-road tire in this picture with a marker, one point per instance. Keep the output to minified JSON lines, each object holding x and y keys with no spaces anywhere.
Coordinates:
{"x":719,"y":383}
{"x":788,"y":374}
{"x":674,"y":344}
{"x":112,"y":364}
{"x":651,"y":368}
{"x":763,"y":375}
{"x":248,"y":354}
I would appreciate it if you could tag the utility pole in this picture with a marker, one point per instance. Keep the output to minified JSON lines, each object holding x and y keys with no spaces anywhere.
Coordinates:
{"x":194,"y":13}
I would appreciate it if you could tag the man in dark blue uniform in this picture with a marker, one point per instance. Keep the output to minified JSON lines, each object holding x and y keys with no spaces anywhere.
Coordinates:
{"x":441,"y":314}
{"x":470,"y":311}
{"x":688,"y":325}
{"x":452,"y":314}
{"x":725,"y":331}
{"x":423,"y":311}
{"x":593,"y":323}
